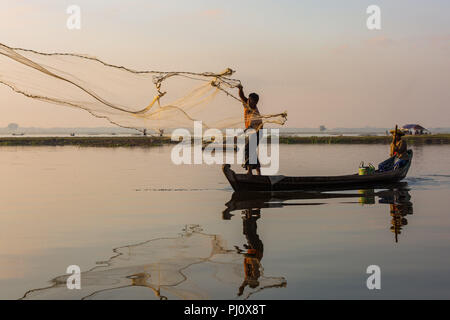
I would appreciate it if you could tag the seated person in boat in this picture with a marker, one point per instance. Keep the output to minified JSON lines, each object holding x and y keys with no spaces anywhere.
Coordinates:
{"x":253,"y":121}
{"x":399,"y":148}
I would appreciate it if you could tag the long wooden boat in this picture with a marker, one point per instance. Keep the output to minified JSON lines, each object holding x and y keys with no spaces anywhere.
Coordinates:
{"x":245,"y":182}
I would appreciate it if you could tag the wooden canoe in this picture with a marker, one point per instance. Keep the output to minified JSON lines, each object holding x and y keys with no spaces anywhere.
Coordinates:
{"x":245,"y":182}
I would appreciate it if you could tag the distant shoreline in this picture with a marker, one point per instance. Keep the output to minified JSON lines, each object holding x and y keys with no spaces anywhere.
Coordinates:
{"x":419,"y":139}
{"x":141,"y":141}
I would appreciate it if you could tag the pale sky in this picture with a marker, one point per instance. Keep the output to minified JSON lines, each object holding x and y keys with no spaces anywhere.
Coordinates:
{"x":315,"y":59}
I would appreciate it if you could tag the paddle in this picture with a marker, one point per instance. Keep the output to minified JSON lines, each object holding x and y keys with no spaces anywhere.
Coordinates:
{"x":394,"y":139}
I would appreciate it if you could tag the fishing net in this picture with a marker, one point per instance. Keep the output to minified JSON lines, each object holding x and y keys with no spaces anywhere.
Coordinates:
{"x":194,"y":265}
{"x":128,"y":98}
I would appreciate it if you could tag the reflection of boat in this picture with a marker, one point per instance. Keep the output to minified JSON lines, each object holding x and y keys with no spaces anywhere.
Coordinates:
{"x":277,"y":199}
{"x":397,"y":196}
{"x":245,"y":182}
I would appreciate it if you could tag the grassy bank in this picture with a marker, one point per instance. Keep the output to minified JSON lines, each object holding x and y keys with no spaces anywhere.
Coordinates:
{"x":158,"y":141}
{"x":85,"y":141}
{"x":425,"y":139}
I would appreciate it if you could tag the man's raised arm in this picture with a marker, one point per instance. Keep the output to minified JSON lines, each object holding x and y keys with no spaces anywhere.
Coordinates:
{"x":241,"y":93}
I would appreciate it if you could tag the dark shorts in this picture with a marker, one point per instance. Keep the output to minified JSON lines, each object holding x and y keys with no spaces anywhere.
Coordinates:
{"x":251,"y":155}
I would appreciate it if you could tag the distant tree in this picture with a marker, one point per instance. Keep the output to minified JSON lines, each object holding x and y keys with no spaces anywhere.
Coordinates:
{"x":13,"y":126}
{"x":322,"y":128}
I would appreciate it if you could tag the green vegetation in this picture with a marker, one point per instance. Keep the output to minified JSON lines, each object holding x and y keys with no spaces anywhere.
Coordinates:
{"x":424,"y":139}
{"x":85,"y":141}
{"x":141,"y":141}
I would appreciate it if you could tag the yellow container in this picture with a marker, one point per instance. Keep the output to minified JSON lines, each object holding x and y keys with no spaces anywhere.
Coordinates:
{"x":363,"y":170}
{"x":367,"y":197}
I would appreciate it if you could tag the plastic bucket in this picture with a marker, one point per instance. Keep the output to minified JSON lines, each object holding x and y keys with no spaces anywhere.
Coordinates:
{"x":363,"y":171}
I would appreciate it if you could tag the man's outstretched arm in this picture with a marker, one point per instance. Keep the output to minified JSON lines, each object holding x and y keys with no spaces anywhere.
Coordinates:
{"x":241,"y":94}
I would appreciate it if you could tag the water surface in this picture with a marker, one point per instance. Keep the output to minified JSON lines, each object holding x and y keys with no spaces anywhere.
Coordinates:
{"x":141,"y":227}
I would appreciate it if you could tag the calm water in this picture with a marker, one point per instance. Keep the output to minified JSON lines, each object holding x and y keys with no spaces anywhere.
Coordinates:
{"x":140,"y":227}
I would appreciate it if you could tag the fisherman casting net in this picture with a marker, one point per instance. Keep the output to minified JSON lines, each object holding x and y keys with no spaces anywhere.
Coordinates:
{"x":128,"y":98}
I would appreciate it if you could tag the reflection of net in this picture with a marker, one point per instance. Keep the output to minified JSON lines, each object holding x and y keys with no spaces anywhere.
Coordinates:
{"x":125,"y":97}
{"x":194,"y":265}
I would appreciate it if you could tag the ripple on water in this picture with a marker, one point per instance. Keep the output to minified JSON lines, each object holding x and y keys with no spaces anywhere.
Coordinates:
{"x":429,"y":181}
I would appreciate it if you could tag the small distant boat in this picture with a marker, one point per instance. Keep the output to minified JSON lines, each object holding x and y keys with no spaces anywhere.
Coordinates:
{"x":18,"y":134}
{"x":245,"y":182}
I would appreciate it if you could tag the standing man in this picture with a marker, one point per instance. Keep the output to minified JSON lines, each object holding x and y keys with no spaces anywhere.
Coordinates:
{"x":252,"y":119}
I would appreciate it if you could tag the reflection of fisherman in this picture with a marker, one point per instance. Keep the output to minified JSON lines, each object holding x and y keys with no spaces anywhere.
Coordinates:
{"x":399,"y":210}
{"x":400,"y":207}
{"x":255,"y":249}
{"x":253,"y":121}
{"x":399,"y":148}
